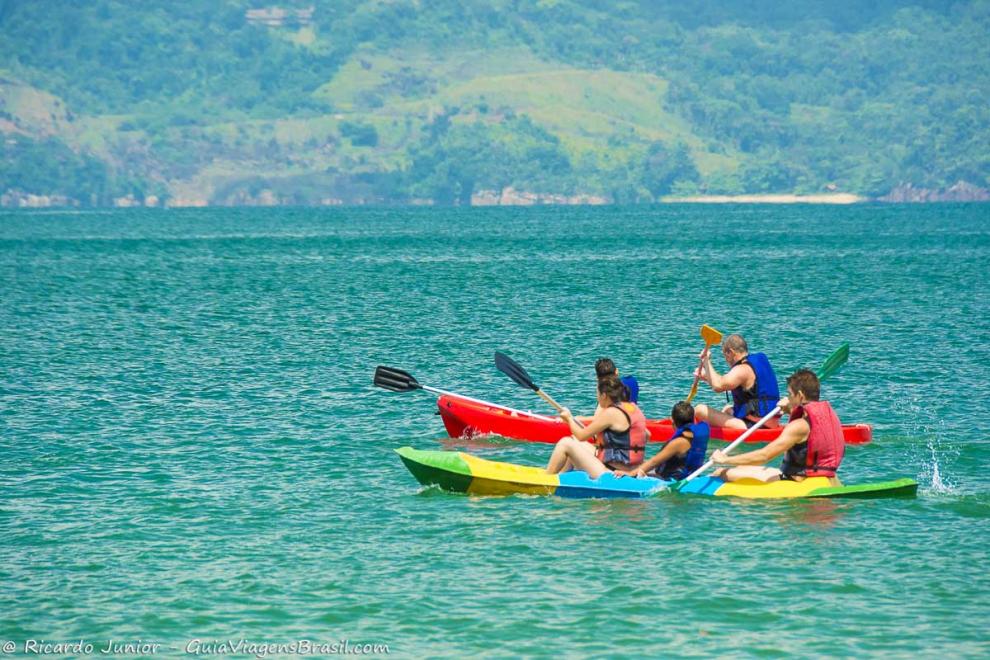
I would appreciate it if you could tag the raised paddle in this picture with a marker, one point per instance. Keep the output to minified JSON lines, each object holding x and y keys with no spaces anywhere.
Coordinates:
{"x":397,"y":380}
{"x":832,"y":364}
{"x":711,"y":337}
{"x":513,"y":370}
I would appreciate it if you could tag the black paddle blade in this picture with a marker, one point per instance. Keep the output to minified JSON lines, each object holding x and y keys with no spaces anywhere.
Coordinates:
{"x":511,"y":368}
{"x":396,"y":380}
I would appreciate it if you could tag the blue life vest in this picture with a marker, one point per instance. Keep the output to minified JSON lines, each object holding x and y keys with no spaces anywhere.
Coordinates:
{"x":763,"y":396}
{"x":679,"y":467}
{"x":632,"y":388}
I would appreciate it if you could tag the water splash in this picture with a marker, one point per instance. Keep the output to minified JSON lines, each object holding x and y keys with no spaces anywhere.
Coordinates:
{"x":933,"y":472}
{"x":932,"y":430}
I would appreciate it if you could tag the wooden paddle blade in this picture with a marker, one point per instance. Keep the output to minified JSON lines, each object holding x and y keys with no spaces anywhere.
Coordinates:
{"x":511,"y":368}
{"x":711,"y":335}
{"x":834,"y":362}
{"x":395,"y":380}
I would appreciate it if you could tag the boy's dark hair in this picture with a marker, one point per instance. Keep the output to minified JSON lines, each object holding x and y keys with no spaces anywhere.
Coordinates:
{"x":682,"y":413}
{"x":613,"y":388}
{"x":806,"y":382}
{"x":605,"y":367}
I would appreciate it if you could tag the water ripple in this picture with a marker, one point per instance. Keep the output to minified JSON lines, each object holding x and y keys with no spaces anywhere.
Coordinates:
{"x":192,"y":446}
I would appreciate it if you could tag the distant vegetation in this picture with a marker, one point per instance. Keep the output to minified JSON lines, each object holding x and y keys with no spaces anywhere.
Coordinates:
{"x":369,"y":101}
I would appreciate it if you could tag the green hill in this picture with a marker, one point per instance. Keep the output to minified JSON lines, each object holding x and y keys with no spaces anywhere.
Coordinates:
{"x":411,"y":101}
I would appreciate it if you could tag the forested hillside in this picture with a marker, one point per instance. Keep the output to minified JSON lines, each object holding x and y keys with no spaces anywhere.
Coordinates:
{"x":454,"y":101}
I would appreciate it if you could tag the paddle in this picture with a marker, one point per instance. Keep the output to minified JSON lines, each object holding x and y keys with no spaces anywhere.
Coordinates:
{"x":511,"y":368}
{"x":397,"y":380}
{"x":711,"y":337}
{"x":832,"y":364}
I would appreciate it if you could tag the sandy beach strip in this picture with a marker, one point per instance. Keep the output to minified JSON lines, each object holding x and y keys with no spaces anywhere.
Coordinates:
{"x":831,"y":198}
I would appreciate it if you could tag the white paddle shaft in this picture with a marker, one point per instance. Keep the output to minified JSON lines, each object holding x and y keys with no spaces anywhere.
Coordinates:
{"x":766,"y":418}
{"x":546,"y":397}
{"x":434,"y":390}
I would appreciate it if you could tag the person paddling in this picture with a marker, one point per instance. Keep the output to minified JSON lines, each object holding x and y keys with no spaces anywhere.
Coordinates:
{"x":812,"y":439}
{"x":606,"y":367}
{"x":623,"y":435}
{"x":750,"y":378}
{"x":683,"y":453}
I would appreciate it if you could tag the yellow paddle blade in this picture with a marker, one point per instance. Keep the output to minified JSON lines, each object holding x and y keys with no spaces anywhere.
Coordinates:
{"x":711,"y":335}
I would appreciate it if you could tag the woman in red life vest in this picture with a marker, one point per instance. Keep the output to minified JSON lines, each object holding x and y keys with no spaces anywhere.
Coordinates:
{"x":812,"y":439}
{"x":622,"y":426}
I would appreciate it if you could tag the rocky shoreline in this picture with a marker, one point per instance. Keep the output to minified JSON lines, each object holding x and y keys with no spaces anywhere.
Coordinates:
{"x":962,"y":191}
{"x":906,"y":193}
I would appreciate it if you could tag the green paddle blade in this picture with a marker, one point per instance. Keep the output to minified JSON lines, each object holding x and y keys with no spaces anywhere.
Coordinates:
{"x":834,"y":362}
{"x":395,"y":380}
{"x":511,"y":368}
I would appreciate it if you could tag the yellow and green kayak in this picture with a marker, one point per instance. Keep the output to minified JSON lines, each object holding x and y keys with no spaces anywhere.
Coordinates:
{"x":460,"y":472}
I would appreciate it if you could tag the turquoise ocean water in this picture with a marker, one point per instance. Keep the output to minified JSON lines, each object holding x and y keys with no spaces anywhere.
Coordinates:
{"x":192,"y":447}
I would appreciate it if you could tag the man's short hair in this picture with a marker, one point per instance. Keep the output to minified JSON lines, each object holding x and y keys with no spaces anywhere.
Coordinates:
{"x":736,"y":344}
{"x":806,"y":382}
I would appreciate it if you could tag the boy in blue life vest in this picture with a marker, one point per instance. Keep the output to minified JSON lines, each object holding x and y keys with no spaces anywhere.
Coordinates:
{"x":684,"y":452}
{"x":605,"y":367}
{"x":750,"y":378}
{"x":812,"y":441}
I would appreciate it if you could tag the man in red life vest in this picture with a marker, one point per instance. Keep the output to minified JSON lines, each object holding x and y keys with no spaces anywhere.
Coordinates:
{"x":812,"y":439}
{"x":750,"y":379}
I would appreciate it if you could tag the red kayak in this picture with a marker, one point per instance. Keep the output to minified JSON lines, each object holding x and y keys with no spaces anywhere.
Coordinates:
{"x":466,"y":418}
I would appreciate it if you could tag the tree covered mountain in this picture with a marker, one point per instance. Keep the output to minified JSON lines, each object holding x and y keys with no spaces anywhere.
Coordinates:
{"x":441,"y":100}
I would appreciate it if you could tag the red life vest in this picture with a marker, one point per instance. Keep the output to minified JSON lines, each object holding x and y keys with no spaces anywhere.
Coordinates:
{"x":822,"y":453}
{"x":629,"y":446}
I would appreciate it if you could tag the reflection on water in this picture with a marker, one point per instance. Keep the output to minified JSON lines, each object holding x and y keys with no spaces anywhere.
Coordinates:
{"x":476,"y":442}
{"x":620,"y":513}
{"x":822,"y":513}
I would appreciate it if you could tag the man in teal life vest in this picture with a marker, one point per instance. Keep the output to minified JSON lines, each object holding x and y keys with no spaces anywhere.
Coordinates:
{"x":751,"y":380}
{"x":812,"y":439}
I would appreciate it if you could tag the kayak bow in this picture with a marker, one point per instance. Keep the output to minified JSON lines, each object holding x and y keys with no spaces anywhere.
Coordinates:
{"x":460,"y":472}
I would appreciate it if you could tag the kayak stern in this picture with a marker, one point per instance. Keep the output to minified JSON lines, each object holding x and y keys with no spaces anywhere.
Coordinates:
{"x":784,"y":489}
